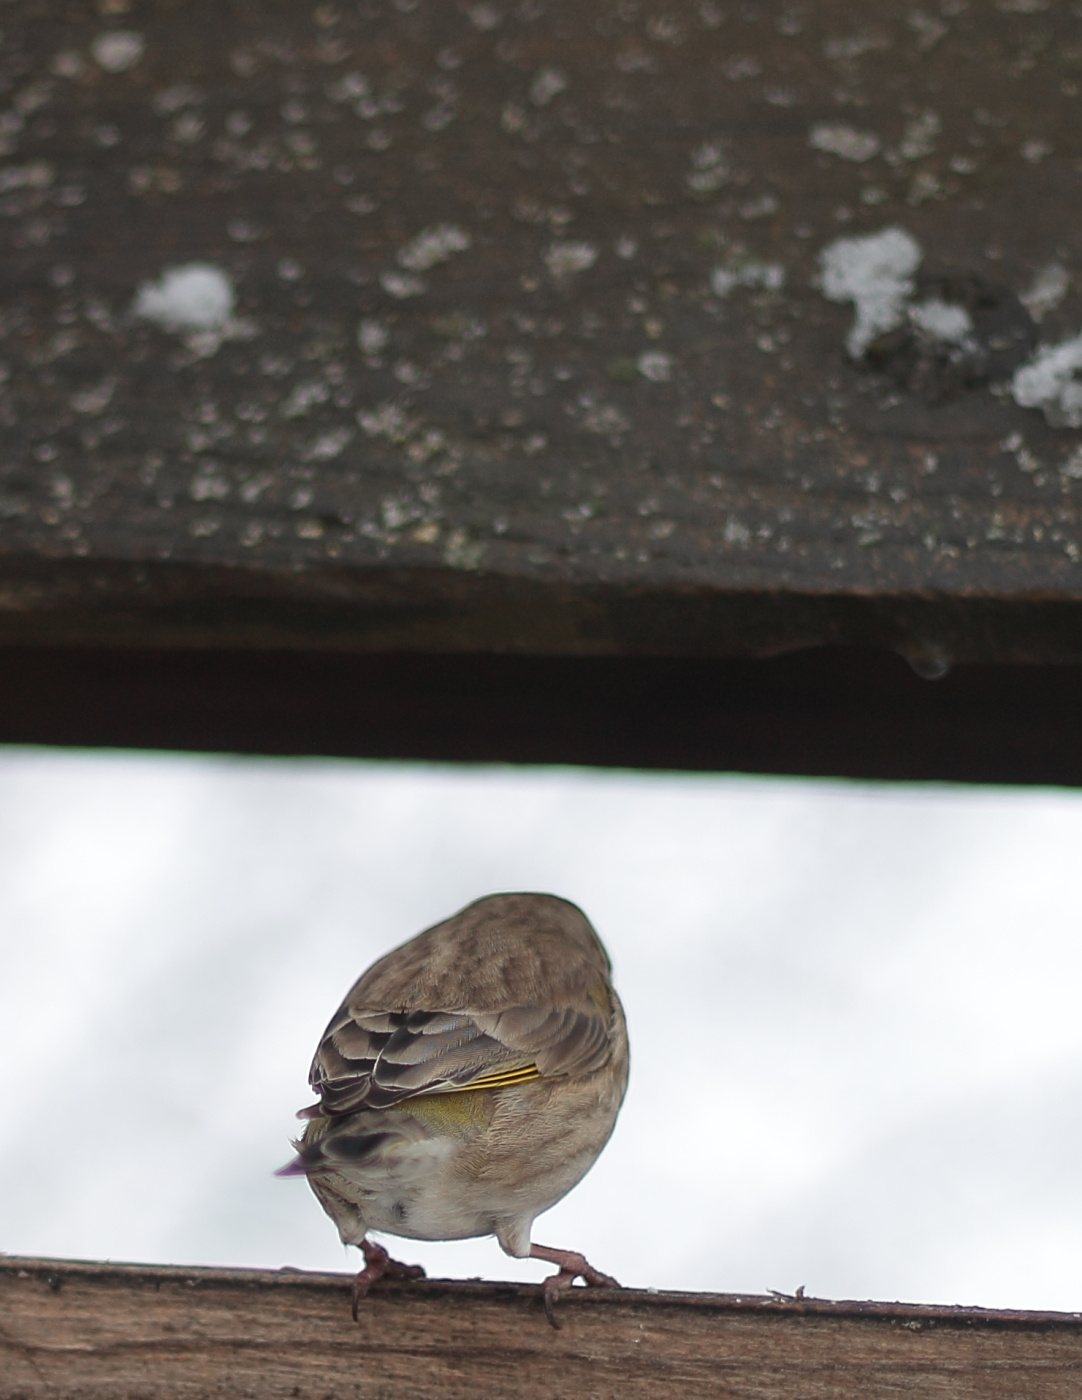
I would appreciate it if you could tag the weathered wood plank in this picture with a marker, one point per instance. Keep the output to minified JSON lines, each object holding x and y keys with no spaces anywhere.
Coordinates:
{"x":85,"y":1330}
{"x":605,"y":407}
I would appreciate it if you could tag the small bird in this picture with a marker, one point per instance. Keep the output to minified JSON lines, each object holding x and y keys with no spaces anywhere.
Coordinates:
{"x":468,"y":1081}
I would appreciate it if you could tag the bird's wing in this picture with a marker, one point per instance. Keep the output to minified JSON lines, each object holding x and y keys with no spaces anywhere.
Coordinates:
{"x":372,"y":1058}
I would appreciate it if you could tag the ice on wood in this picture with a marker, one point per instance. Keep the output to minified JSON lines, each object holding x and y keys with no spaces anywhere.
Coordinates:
{"x":876,"y":274}
{"x":195,"y":297}
{"x":1050,"y":382}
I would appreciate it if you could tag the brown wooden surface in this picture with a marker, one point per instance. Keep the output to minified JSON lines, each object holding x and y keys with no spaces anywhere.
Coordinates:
{"x":501,"y":475}
{"x":96,"y":1330}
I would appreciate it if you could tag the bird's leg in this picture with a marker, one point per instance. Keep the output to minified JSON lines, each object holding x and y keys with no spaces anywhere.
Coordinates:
{"x":379,"y":1264}
{"x":572,"y":1266}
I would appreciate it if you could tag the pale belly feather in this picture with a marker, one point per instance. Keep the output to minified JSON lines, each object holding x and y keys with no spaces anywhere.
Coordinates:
{"x":458,"y":1166}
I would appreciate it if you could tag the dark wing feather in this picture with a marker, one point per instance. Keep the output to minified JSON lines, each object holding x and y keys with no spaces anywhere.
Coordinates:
{"x":375,"y":1058}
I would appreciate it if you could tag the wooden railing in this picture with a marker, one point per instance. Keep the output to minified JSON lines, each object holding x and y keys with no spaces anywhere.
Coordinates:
{"x":102,"y":1331}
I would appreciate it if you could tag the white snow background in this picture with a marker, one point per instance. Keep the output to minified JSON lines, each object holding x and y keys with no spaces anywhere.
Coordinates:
{"x":854,"y":1012}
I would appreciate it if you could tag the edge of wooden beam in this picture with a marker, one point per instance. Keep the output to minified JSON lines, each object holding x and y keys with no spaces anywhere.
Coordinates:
{"x":54,"y":1272}
{"x":838,"y":712}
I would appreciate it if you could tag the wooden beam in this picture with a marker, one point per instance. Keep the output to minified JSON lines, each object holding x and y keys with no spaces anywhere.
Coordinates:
{"x":102,"y":1330}
{"x":844,"y":712}
{"x":526,"y":344}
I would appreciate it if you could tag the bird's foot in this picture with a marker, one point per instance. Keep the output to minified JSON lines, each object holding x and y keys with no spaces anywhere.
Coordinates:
{"x":379,"y":1264}
{"x":572,"y":1266}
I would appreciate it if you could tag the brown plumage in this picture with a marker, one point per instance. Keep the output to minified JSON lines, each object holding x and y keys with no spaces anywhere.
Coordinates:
{"x":468,"y":1082}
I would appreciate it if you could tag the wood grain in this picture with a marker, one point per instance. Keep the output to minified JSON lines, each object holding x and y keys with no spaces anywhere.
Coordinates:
{"x":91,"y":1331}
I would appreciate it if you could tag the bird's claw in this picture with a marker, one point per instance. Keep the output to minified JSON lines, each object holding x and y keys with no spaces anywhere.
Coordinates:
{"x":379,"y":1264}
{"x":572,"y":1266}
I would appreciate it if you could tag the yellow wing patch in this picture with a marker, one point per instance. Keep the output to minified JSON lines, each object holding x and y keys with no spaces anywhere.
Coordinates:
{"x":461,"y":1111}
{"x":499,"y":1079}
